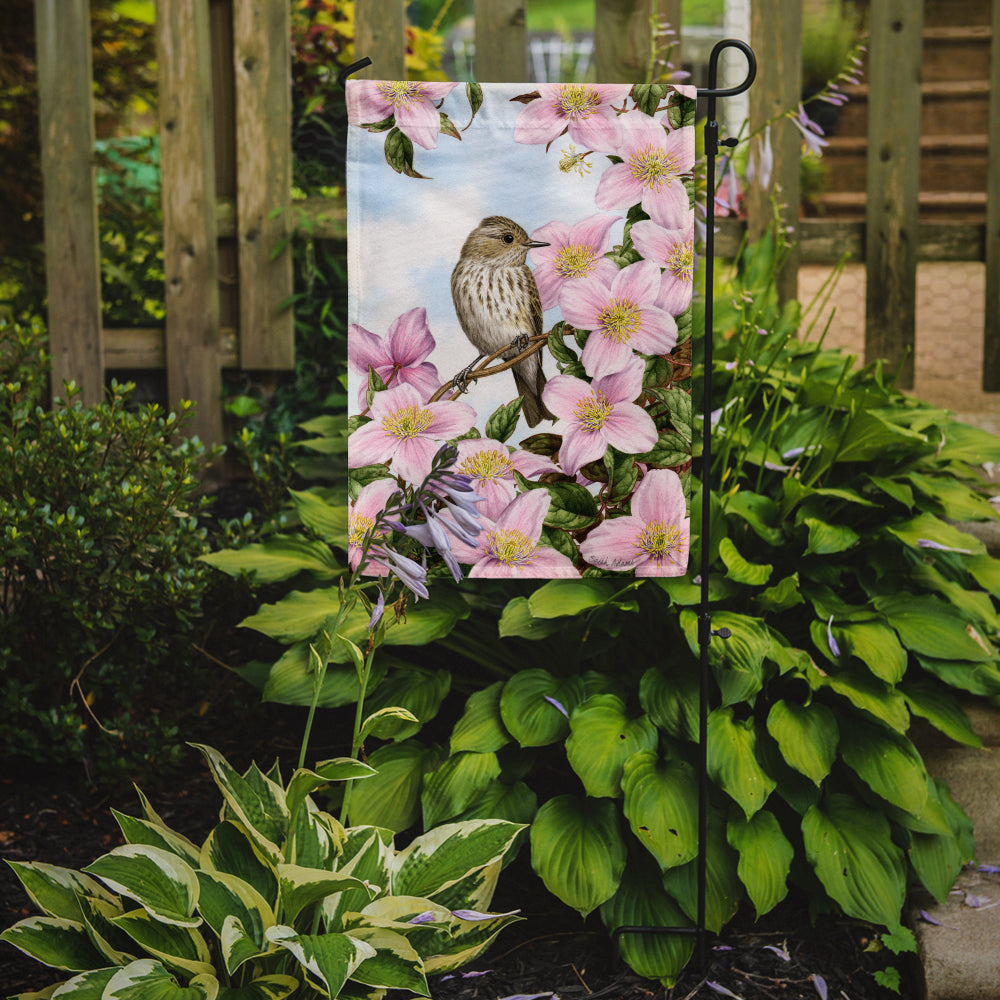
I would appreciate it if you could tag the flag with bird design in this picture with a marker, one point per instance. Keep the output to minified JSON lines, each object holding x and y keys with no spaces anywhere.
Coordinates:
{"x":521,"y":262}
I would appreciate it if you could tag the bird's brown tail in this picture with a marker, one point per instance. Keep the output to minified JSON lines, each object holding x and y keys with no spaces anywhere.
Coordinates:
{"x":530,"y":388}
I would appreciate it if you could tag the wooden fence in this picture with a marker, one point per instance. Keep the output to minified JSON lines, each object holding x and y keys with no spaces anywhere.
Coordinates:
{"x":226,"y":161}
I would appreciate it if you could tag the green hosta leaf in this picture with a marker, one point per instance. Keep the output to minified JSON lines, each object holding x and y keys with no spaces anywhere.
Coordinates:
{"x":732,"y":760}
{"x":230,"y":849}
{"x":292,"y":680}
{"x":641,"y":901}
{"x":870,"y":436}
{"x":456,"y":784}
{"x":274,"y":987}
{"x":976,"y":678}
{"x":330,"y":959}
{"x":559,"y":598}
{"x":850,"y":847}
{"x":738,"y":661}
{"x":440,"y":858}
{"x":927,"y":527}
{"x":527,"y":714}
{"x":515,"y":803}
{"x":180,"y":948}
{"x":602,"y":738}
{"x":760,"y":512}
{"x":765,"y":858}
{"x":957,"y":501}
{"x":964,"y":443}
{"x":876,"y":646}
{"x":147,"y":979}
{"x":327,"y":520}
{"x":827,"y":539}
{"x":937,"y":859}
{"x":723,"y":889}
{"x":986,"y":571}
{"x":973,"y":604}
{"x":941,"y":709}
{"x":56,"y":891}
{"x":279,"y":558}
{"x":661,"y":807}
{"x":807,"y":736}
{"x":888,"y":763}
{"x":738,"y":569}
{"x":141,"y":831}
{"x":517,"y":620}
{"x":931,"y":628}
{"x":481,"y":728}
{"x":418,"y":690}
{"x":865,"y":692}
{"x":391,"y":798}
{"x":783,"y":595}
{"x":395,"y":964}
{"x":54,"y":941}
{"x":164,"y":885}
{"x":671,"y":700}
{"x":578,"y":851}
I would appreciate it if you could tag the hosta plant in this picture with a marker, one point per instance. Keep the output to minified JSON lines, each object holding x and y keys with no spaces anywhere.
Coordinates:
{"x":279,"y":900}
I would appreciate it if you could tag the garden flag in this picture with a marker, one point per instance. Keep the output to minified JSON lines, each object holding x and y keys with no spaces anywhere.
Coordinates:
{"x":520,"y":270}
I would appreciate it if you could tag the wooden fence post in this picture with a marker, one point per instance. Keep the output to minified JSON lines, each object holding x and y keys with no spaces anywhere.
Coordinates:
{"x":72,"y":256}
{"x":262,"y":61}
{"x":501,"y":41}
{"x":621,"y":40}
{"x":380,"y":34}
{"x":190,"y":251}
{"x":991,"y":332}
{"x":893,"y":183}
{"x":776,"y":34}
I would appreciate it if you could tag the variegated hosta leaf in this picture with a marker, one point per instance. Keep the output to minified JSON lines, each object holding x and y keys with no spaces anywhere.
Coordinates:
{"x":661,"y":799}
{"x":304,"y":782}
{"x":115,"y":945}
{"x":367,"y":851}
{"x":54,"y":941}
{"x":230,"y":849}
{"x":642,"y":901}
{"x":395,"y":964}
{"x":441,"y":857}
{"x":329,"y":959}
{"x":177,"y":947}
{"x":87,"y":986}
{"x":765,"y":858}
{"x":475,"y":891}
{"x":256,"y":801}
{"x":578,"y":851}
{"x":238,"y":945}
{"x":225,"y":897}
{"x":147,"y":979}
{"x":274,"y":987}
{"x":159,"y":881}
{"x":732,"y":760}
{"x":141,"y":831}
{"x":467,"y":941}
{"x":602,"y":738}
{"x":301,"y":887}
{"x":56,"y":891}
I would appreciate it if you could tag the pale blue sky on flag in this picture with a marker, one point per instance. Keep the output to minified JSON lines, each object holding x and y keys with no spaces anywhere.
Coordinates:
{"x":405,"y":234}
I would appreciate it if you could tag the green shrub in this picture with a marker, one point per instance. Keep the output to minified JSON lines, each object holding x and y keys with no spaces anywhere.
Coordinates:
{"x":280,"y":899}
{"x":99,"y":540}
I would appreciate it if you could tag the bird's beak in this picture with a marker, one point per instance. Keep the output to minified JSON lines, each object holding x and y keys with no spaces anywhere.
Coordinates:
{"x":534,"y":243}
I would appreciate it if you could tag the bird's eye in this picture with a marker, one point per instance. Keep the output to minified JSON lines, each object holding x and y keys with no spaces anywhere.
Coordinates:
{"x":507,"y":238}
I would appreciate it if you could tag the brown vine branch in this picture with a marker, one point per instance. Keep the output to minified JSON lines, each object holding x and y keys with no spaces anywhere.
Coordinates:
{"x":537,"y":342}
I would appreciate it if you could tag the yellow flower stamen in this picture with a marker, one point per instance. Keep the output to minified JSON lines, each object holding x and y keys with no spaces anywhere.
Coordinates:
{"x":619,"y":319}
{"x":680,"y":261}
{"x":592,"y":411}
{"x":576,"y":261}
{"x":487,"y":465}
{"x":572,"y":160}
{"x":654,"y":167}
{"x":407,"y":422}
{"x":510,"y":546}
{"x":401,"y":93}
{"x":577,"y":101}
{"x":659,"y":539}
{"x":358,"y":527}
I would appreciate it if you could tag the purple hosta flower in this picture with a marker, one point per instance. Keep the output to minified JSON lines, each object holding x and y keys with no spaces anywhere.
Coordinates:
{"x":582,"y":109}
{"x":476,"y":915}
{"x":411,"y":574}
{"x":654,"y":164}
{"x":573,"y":253}
{"x":811,"y":132}
{"x":361,"y":517}
{"x":413,"y":104}
{"x":654,"y":539}
{"x":508,"y":547}
{"x":782,"y":953}
{"x":377,"y":612}
{"x":989,"y":869}
{"x":400,"y":356}
{"x":598,"y":414}
{"x":927,"y":543}
{"x":760,"y":164}
{"x":622,"y":316}
{"x":490,"y":466}
{"x":557,"y":704}
{"x":407,"y":432}
{"x":819,"y":984}
{"x":831,"y":642}
{"x":719,"y":988}
{"x":465,"y":975}
{"x":673,"y":250}
{"x":427,"y":917}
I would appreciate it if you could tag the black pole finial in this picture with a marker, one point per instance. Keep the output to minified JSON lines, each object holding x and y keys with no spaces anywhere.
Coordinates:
{"x":353,"y":68}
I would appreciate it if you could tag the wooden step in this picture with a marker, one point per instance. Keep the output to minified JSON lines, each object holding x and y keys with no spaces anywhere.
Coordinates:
{"x":956,"y":53}
{"x":957,"y":206}
{"x":940,"y":13}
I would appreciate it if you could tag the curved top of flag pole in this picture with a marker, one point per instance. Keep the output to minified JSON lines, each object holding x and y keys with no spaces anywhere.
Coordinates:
{"x":712,"y":91}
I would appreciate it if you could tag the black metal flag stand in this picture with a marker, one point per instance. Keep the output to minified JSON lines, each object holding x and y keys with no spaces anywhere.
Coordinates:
{"x":705,"y":631}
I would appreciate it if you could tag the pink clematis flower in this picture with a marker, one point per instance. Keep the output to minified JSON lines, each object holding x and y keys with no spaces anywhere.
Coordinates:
{"x":673,"y":250}
{"x":413,"y":104}
{"x":654,"y":540}
{"x":622,"y":317}
{"x":599,"y":414}
{"x":491,"y":464}
{"x":407,"y":432}
{"x":572,"y":254}
{"x":585,"y":110}
{"x":508,"y":547}
{"x":400,"y":356}
{"x":361,"y":515}
{"x":654,"y":161}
